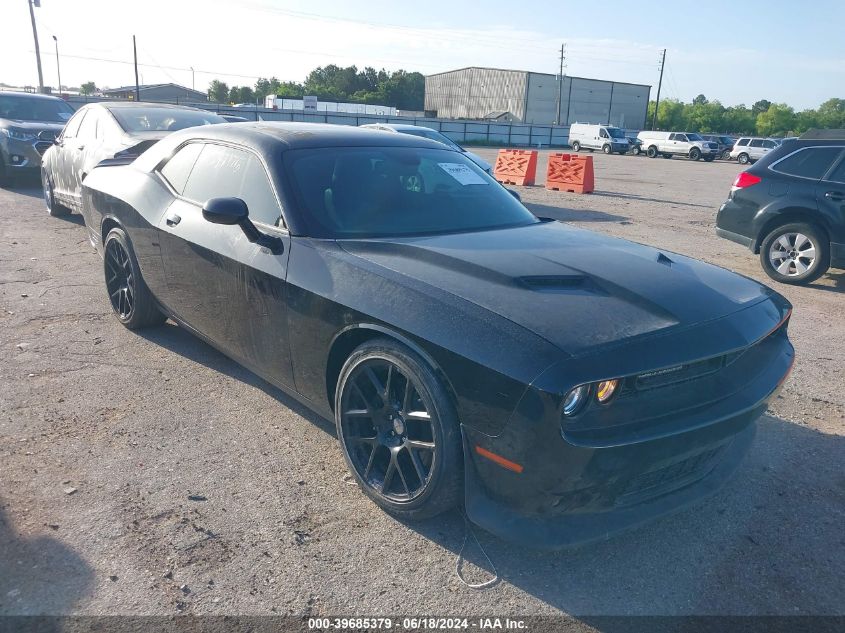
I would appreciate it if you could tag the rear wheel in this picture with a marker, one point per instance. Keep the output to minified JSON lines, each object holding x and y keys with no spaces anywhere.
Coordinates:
{"x":576,"y":146}
{"x":651,"y":152}
{"x":796,"y":253}
{"x":743,"y":159}
{"x":54,"y":209}
{"x":398,"y":431}
{"x":131,"y":300}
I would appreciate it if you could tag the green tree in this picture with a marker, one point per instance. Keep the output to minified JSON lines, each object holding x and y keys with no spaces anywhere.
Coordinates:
{"x":738,"y":120}
{"x":264,"y":87}
{"x":700,"y":100}
{"x":831,"y":114}
{"x":241,"y":94}
{"x":88,"y":88}
{"x":778,"y":120}
{"x":218,"y":91}
{"x":760,"y":106}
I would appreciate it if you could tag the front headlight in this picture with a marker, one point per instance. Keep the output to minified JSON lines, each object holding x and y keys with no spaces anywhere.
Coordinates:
{"x":19,"y":135}
{"x":575,"y":400}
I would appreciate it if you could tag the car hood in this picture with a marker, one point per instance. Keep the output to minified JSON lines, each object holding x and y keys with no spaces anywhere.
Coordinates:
{"x":575,"y":288}
{"x":32,"y":126}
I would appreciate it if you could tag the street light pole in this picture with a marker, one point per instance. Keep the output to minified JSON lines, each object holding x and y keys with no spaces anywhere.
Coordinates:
{"x":193,"y":84}
{"x":58,"y":69}
{"x":36,"y":3}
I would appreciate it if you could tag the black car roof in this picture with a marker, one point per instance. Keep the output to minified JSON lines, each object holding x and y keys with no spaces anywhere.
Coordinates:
{"x":295,"y":135}
{"x":29,"y":95}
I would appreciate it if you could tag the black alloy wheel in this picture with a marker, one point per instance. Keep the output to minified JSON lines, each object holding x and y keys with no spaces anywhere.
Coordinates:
{"x":131,"y":300}
{"x":694,"y":153}
{"x":398,"y":431}
{"x":651,"y":152}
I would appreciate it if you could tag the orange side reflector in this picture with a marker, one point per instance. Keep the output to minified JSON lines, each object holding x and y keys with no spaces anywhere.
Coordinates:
{"x":501,"y":461}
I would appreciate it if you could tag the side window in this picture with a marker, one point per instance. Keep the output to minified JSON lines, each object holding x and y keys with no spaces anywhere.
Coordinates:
{"x":603,"y":133}
{"x":671,"y":137}
{"x":222,"y":171}
{"x":680,"y":137}
{"x":72,"y":126}
{"x":838,"y":174}
{"x":178,"y":168}
{"x":810,"y":162}
{"x":769,"y":144}
{"x":742,"y":142}
{"x":257,"y":192}
{"x":757,"y":142}
{"x":88,"y":129}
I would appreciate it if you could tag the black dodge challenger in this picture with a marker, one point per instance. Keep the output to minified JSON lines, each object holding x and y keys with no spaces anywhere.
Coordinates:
{"x":562,"y":384}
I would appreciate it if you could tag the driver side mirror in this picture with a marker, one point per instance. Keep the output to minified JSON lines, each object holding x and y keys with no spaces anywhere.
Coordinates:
{"x":231,"y":211}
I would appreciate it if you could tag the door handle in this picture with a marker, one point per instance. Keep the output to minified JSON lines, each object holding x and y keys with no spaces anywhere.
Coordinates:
{"x":172,"y":219}
{"x":836,"y":196}
{"x":79,"y":148}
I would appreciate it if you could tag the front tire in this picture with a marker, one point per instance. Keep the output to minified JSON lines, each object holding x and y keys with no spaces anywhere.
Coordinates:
{"x":54,"y":209}
{"x":131,"y":300}
{"x":607,"y":149}
{"x":726,"y":155}
{"x":796,"y":253}
{"x":694,"y":153}
{"x":399,"y":431}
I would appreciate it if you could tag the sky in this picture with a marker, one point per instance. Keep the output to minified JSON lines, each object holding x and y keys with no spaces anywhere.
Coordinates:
{"x":736,"y":52}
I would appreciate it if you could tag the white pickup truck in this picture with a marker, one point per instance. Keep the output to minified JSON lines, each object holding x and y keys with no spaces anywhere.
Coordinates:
{"x":668,"y":144}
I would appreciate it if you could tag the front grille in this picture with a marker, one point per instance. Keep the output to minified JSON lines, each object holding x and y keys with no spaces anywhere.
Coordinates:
{"x":669,"y":478}
{"x":42,"y":146}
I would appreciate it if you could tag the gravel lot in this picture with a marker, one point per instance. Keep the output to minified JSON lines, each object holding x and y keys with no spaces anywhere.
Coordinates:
{"x":104,"y":434}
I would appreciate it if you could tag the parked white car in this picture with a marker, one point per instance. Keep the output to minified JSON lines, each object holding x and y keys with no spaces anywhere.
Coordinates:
{"x":749,"y":149}
{"x":668,"y":144}
{"x":607,"y":138}
{"x":434,"y":135}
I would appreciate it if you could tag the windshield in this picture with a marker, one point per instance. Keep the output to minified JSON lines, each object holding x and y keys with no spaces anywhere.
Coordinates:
{"x":615,"y":132}
{"x":396,"y":191}
{"x":162,"y":119}
{"x":23,"y":108}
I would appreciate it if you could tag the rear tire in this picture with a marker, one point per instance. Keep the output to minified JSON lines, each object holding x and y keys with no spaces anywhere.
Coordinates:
{"x":399,"y":431}
{"x":131,"y":300}
{"x":651,"y":152}
{"x":576,"y":146}
{"x":54,"y":209}
{"x":743,"y":159}
{"x":797,"y":253}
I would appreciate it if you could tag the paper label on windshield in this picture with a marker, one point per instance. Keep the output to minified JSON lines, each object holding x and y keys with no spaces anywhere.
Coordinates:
{"x":462,"y":174}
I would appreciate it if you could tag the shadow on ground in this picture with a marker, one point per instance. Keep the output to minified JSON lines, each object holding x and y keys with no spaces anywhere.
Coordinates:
{"x":39,"y":575}
{"x":573,"y":215}
{"x":629,"y":196}
{"x":769,"y":542}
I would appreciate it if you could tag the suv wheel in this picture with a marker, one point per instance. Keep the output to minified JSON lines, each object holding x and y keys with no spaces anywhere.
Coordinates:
{"x":796,"y":253}
{"x":743,"y":159}
{"x":651,"y":152}
{"x":576,"y":146}
{"x":694,"y":153}
{"x":726,"y":155}
{"x":607,"y":149}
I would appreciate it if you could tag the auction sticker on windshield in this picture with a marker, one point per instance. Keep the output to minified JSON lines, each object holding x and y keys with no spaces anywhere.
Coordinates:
{"x":462,"y":174}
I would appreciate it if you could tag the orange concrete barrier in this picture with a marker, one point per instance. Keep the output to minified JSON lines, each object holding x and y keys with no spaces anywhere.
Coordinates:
{"x":516,"y":167}
{"x":568,"y":172}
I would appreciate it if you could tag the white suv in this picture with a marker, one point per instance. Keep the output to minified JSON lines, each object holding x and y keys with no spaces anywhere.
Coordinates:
{"x":748,"y":149}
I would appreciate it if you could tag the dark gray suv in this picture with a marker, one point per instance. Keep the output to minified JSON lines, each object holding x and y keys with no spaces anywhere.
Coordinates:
{"x":28,"y":125}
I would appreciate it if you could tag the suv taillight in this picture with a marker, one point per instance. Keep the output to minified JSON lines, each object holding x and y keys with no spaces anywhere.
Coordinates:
{"x":746,"y":180}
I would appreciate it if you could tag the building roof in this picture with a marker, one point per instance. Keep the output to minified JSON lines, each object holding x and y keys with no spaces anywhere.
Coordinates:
{"x":531,"y":72}
{"x":150,"y":87}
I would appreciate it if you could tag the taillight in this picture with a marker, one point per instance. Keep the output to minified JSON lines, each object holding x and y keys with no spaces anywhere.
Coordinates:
{"x":746,"y":180}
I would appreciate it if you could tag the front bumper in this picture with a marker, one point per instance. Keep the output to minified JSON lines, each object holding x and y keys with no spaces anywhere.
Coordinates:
{"x":23,"y":155}
{"x":649,"y":453}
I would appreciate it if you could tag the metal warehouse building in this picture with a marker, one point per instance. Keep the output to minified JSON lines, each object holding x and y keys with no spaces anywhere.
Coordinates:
{"x":526,"y":97}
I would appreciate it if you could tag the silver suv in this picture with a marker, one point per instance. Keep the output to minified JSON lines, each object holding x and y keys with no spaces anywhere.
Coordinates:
{"x":28,"y":125}
{"x":750,"y":149}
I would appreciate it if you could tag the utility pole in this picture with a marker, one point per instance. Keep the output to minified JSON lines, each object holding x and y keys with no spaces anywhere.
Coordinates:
{"x":135,"y":54}
{"x":659,"y":86}
{"x":560,"y":84}
{"x":36,"y":3}
{"x":58,"y":69}
{"x":193,"y":83}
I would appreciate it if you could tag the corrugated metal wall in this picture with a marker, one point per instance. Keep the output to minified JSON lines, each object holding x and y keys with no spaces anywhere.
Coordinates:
{"x":473,"y":93}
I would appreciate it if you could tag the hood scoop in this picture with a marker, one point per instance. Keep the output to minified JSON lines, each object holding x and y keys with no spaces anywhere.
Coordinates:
{"x":662,"y":259}
{"x":561,"y":284}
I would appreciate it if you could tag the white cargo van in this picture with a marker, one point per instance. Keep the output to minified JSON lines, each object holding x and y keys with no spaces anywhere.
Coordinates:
{"x":607,"y":138}
{"x":670,"y":144}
